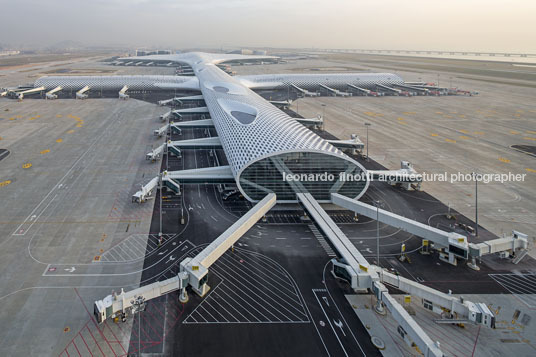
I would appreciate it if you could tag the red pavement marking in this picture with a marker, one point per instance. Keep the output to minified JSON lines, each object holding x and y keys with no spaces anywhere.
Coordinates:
{"x":476,"y":341}
{"x":94,"y":339}
{"x":74,"y":344}
{"x":438,"y":331}
{"x":95,"y":323}
{"x":85,"y":343}
{"x":116,"y":339}
{"x":146,"y":321}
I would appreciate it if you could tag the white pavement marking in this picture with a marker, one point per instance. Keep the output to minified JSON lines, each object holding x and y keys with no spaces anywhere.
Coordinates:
{"x":58,"y":185}
{"x":330,"y":324}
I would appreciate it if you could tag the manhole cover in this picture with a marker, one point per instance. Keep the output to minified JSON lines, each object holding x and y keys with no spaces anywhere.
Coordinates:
{"x":376,"y":341}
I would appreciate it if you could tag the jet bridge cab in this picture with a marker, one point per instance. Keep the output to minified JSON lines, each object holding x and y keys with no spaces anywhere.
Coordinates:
{"x":479,"y":313}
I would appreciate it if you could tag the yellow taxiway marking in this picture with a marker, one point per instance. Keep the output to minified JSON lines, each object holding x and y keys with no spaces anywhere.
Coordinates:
{"x":58,"y":115}
{"x":502,"y":159}
{"x":7,"y":182}
{"x":514,"y":132}
{"x":434,"y":134}
{"x":45,"y":151}
{"x":530,"y":170}
{"x":439,"y":112}
{"x":12,"y":118}
{"x":478,"y":133}
{"x":70,"y":132}
{"x":27,"y":165}
{"x":450,"y":141}
{"x":530,"y":132}
{"x":374,"y":114}
{"x":409,"y":113}
{"x":399,"y":118}
{"x":59,"y":140}
{"x":78,"y":125}
{"x":464,"y":137}
{"x":464,"y":131}
{"x":527,"y":138}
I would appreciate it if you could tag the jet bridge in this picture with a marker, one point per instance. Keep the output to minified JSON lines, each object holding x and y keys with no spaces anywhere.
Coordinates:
{"x":197,"y":267}
{"x":166,"y":116}
{"x":195,"y":124}
{"x":199,"y":110}
{"x":354,"y":143}
{"x":335,"y":92}
{"x":175,"y":147}
{"x":360,"y":90}
{"x":362,"y":277}
{"x":193,"y":271}
{"x":317,"y":122}
{"x":305,"y":92}
{"x":389,"y":89}
{"x":421,"y":90}
{"x":81,"y":94}
{"x":452,"y":246}
{"x":181,"y":100}
{"x":123,"y":93}
{"x":20,"y":94}
{"x":52,"y":93}
{"x":173,"y":179}
{"x":407,"y":177}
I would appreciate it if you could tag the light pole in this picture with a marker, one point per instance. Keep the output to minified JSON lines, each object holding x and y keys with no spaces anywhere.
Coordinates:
{"x":138,"y":305}
{"x":160,"y":211}
{"x":378,"y":232}
{"x":367,"y":126}
{"x":323,"y":109}
{"x":475,"y":175}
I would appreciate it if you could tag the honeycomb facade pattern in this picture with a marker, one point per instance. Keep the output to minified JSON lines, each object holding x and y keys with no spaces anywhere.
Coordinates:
{"x":312,"y":81}
{"x":137,"y":82}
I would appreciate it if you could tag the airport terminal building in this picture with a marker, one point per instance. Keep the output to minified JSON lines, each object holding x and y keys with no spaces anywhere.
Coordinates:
{"x":262,"y":144}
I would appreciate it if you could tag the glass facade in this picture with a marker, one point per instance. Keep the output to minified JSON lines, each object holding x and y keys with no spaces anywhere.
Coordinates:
{"x":317,"y":173}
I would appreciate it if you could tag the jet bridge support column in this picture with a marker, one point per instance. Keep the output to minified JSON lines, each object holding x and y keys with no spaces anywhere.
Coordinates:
{"x":197,"y":267}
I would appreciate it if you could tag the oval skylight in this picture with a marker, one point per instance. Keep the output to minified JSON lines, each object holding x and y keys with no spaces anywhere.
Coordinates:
{"x":243,"y":117}
{"x":243,"y":113}
{"x":226,"y":88}
{"x":221,"y":89}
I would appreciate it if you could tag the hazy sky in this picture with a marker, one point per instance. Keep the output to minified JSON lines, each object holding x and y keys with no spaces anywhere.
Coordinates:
{"x":497,"y":25}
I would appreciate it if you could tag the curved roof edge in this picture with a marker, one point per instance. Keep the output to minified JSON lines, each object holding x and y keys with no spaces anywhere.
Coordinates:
{"x":335,"y":154}
{"x":193,"y":58}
